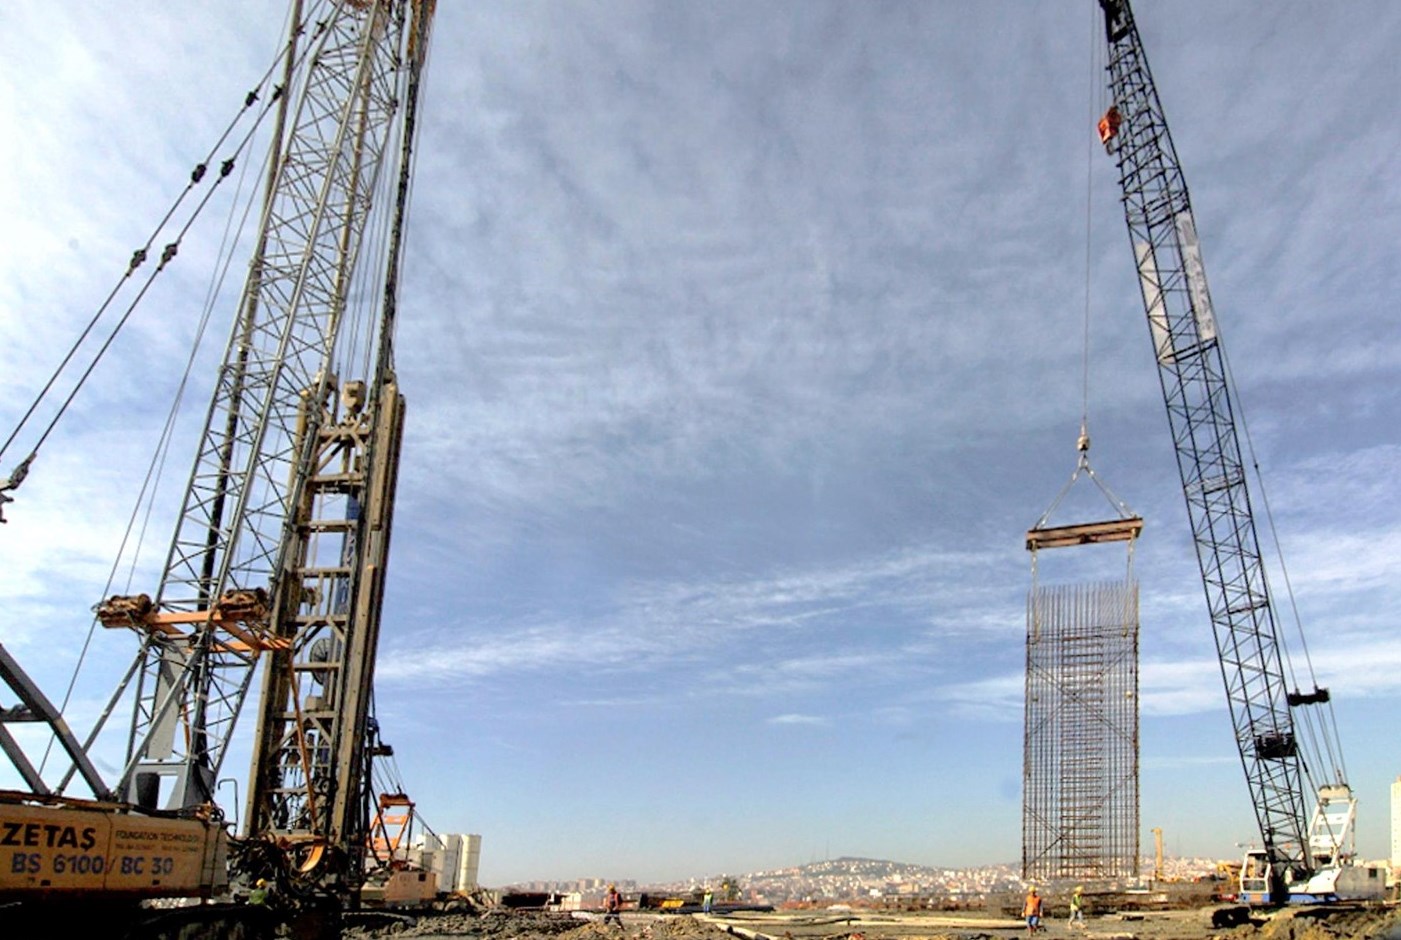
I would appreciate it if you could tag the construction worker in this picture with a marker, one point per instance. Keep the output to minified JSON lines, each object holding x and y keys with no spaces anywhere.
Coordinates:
{"x":1077,"y":907}
{"x":1031,"y":910}
{"x":707,"y":900}
{"x":259,"y":894}
{"x":612,"y":904}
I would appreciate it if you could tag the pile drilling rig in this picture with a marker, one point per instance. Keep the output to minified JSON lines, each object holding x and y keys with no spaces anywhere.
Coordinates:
{"x":275,"y":575}
{"x":1302,"y":857}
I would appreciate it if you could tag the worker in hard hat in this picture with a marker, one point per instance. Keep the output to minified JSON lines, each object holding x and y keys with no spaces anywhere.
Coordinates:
{"x":1031,"y":910}
{"x":612,"y":904}
{"x":1077,"y":907}
{"x":259,"y":894}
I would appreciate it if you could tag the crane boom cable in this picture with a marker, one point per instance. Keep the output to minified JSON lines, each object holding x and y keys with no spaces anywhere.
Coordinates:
{"x":167,"y":256}
{"x":360,"y":327}
{"x":419,"y":48}
{"x":380,"y":283}
{"x":1085,"y":350}
{"x":1083,"y":462}
{"x":140,"y":255}
{"x":161,"y":452}
{"x":1095,"y":91}
{"x":1324,"y":743}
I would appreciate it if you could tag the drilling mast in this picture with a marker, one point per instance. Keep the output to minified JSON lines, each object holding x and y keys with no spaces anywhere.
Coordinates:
{"x":280,"y":549}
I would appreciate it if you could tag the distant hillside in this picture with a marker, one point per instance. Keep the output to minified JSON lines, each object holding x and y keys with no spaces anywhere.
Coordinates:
{"x":867,"y":868}
{"x":850,"y":877}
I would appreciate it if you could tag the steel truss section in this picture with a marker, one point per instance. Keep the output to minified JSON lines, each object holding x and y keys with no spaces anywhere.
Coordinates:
{"x":312,"y":739}
{"x":34,"y":707}
{"x":248,"y":473}
{"x":1195,"y":389}
{"x":1080,"y":808}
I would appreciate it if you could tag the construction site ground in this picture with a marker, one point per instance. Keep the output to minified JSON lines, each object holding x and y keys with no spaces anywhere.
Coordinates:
{"x":1373,"y":923}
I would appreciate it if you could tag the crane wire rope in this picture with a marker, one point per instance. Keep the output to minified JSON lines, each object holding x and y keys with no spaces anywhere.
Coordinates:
{"x":1331,"y":743}
{"x":1082,"y":464}
{"x":386,"y":342}
{"x":370,"y":282}
{"x":356,"y":339}
{"x":389,"y":220}
{"x":160,"y":453}
{"x":1097,"y":93}
{"x":368,"y":278}
{"x":1314,"y":740}
{"x":140,"y":255}
{"x":385,"y":230}
{"x":1083,"y":443}
{"x":424,"y":78}
{"x":365,"y":301}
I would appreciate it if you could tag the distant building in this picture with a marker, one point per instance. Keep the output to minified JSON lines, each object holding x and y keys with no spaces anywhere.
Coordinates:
{"x":1396,"y":823}
{"x":454,"y":858}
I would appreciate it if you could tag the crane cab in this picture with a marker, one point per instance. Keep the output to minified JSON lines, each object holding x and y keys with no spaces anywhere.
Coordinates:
{"x":1333,"y":872}
{"x":1340,"y":881}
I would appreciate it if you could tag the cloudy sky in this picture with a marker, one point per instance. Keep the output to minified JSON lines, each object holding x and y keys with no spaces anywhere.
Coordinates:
{"x":742,"y":344}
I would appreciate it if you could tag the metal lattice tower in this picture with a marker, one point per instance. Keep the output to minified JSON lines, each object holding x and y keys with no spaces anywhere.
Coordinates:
{"x":284,"y":475}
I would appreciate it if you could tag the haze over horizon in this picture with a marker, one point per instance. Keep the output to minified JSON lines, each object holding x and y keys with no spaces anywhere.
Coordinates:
{"x":844,"y":866}
{"x":742,"y":343}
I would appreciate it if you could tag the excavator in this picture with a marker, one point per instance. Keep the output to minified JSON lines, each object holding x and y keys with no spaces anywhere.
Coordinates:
{"x":272,"y":587}
{"x":1307,"y":851}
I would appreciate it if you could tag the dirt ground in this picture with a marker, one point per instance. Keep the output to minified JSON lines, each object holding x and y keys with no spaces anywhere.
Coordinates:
{"x":1292,"y":924}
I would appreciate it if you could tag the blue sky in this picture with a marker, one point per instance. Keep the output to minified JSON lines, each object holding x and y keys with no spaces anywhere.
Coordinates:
{"x":742,"y":344}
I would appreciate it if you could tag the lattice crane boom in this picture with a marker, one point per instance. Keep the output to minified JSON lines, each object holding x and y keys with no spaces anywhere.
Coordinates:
{"x":279,"y":557}
{"x":280,"y":549}
{"x":1192,"y":370}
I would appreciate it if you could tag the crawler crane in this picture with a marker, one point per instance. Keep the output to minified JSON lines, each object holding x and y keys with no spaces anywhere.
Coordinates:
{"x":1302,"y":857}
{"x":275,"y":575}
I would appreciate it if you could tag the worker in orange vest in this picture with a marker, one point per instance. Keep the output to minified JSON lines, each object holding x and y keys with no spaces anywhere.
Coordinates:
{"x":612,"y":904}
{"x":1031,"y":910}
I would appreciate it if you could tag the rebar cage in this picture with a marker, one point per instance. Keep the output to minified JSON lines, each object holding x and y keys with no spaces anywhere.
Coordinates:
{"x":1080,"y":810}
